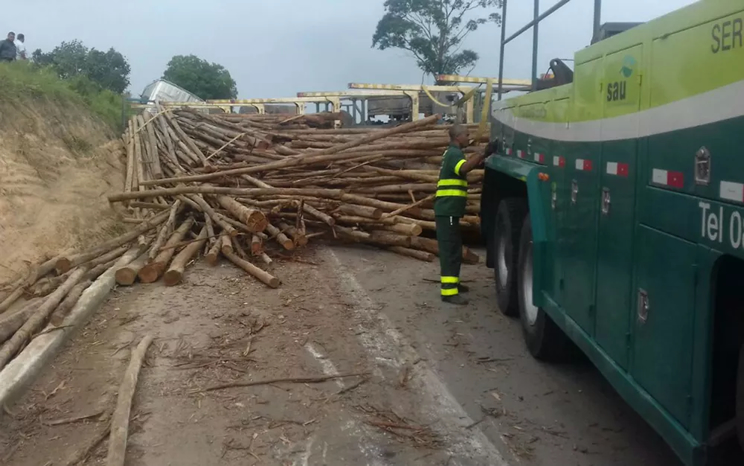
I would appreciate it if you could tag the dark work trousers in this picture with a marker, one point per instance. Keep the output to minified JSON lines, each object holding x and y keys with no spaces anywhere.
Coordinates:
{"x":449,"y":237}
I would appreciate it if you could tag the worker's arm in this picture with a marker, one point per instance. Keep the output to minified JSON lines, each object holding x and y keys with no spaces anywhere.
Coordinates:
{"x":466,"y":166}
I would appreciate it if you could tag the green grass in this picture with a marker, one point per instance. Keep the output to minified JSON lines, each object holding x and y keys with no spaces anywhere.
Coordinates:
{"x":21,"y":80}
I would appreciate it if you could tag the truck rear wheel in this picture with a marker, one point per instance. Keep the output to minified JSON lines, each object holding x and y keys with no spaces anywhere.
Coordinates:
{"x":506,"y":234}
{"x":544,"y":339}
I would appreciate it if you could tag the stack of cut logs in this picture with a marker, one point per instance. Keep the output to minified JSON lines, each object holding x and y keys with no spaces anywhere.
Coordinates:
{"x":248,"y":188}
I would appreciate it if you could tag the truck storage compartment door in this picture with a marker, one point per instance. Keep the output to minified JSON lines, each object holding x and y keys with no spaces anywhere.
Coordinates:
{"x":618,"y":173}
{"x":578,"y":228}
{"x":664,"y":313}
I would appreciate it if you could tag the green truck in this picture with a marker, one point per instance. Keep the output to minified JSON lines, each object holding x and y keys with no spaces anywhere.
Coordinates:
{"x":614,"y":217}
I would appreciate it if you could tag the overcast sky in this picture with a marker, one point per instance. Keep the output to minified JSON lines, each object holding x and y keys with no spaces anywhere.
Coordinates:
{"x":276,"y":48}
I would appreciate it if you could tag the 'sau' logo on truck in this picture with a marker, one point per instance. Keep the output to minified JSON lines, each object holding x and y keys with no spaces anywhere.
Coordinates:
{"x":617,"y":90}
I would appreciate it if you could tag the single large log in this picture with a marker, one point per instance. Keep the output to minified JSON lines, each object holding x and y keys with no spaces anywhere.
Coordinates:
{"x":152,"y":271}
{"x":174,"y":275}
{"x":130,"y":160}
{"x":37,"y":320}
{"x":297,"y":236}
{"x":216,"y":218}
{"x":120,"y":421}
{"x":256,"y":245}
{"x":408,"y":229}
{"x":360,"y":211}
{"x":155,"y":168}
{"x":254,"y":219}
{"x":212,"y":257}
{"x":10,"y":323}
{"x":389,"y":239}
{"x":63,"y":264}
{"x":262,"y":275}
{"x":420,"y":255}
{"x":280,"y":237}
{"x":64,"y":308}
{"x":431,"y":245}
{"x":165,"y":230}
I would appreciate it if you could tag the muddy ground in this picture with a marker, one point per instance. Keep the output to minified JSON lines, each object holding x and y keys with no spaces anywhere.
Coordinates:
{"x":423,"y":383}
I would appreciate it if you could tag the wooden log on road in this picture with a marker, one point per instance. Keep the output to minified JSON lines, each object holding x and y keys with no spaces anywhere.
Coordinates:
{"x":261,"y":275}
{"x":152,"y":271}
{"x":127,"y":275}
{"x":254,"y":219}
{"x":65,"y":263}
{"x":174,"y":275}
{"x":120,"y":420}
{"x":420,"y":255}
{"x":37,"y":320}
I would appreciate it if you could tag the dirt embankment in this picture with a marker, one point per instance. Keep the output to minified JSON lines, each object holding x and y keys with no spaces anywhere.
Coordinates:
{"x":57,"y":164}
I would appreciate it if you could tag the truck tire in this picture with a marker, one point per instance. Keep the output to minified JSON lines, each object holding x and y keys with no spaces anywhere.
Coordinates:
{"x":740,"y":399}
{"x":506,"y":233}
{"x":544,"y":339}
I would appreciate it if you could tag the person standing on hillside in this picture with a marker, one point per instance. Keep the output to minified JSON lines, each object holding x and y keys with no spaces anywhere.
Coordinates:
{"x":449,"y":208}
{"x":21,"y":48}
{"x":8,"y":48}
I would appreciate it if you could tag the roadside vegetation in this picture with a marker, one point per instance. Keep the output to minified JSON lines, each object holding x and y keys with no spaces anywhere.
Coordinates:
{"x":23,"y":80}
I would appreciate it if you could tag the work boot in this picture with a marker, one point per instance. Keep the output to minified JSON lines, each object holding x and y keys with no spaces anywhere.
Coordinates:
{"x":462,"y":288}
{"x":456,"y":299}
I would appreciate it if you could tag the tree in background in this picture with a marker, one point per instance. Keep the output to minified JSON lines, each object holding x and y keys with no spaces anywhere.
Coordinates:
{"x":434,"y":30}
{"x":70,"y":60}
{"x":205,"y":80}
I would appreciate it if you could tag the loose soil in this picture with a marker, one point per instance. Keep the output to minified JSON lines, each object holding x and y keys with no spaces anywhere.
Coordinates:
{"x":56,"y":167}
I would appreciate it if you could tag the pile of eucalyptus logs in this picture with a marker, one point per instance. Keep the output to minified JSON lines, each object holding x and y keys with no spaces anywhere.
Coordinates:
{"x":249,"y":189}
{"x":253,"y":187}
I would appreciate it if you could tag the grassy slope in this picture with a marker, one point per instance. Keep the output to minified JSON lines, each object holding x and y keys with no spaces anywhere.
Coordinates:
{"x":24,"y":79}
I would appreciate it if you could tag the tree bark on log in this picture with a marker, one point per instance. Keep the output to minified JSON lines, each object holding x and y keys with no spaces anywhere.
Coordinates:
{"x":431,"y":245}
{"x":152,"y":271}
{"x":261,"y":275}
{"x":120,"y":420}
{"x":254,"y":219}
{"x":127,"y":275}
{"x":420,"y":255}
{"x":9,"y":324}
{"x":174,"y":275}
{"x":165,"y":230}
{"x":298,"y":237}
{"x":280,"y":237}
{"x":213,"y":255}
{"x":326,"y":155}
{"x":37,"y":320}
{"x":155,"y":168}
{"x":63,"y":264}
{"x":64,"y":308}
{"x":256,"y":245}
{"x":246,"y":192}
{"x":217,"y":218}
{"x":130,"y":160}
{"x":361,"y":211}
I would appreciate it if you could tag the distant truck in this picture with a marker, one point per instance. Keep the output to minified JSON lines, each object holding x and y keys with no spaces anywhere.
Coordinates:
{"x":165,"y":91}
{"x":614,"y":213}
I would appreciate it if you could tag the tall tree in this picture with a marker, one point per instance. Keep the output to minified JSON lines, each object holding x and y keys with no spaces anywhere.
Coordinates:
{"x":110,"y":70}
{"x":205,"y":80}
{"x":434,"y":31}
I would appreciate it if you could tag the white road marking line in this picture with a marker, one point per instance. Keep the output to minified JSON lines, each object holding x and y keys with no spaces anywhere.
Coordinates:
{"x":325,"y":363}
{"x":389,"y":344}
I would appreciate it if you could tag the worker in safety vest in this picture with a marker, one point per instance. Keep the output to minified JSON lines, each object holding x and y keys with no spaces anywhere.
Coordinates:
{"x":449,"y":207}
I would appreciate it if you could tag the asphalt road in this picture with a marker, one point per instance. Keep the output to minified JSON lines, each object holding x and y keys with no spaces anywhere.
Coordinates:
{"x":537,"y":414}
